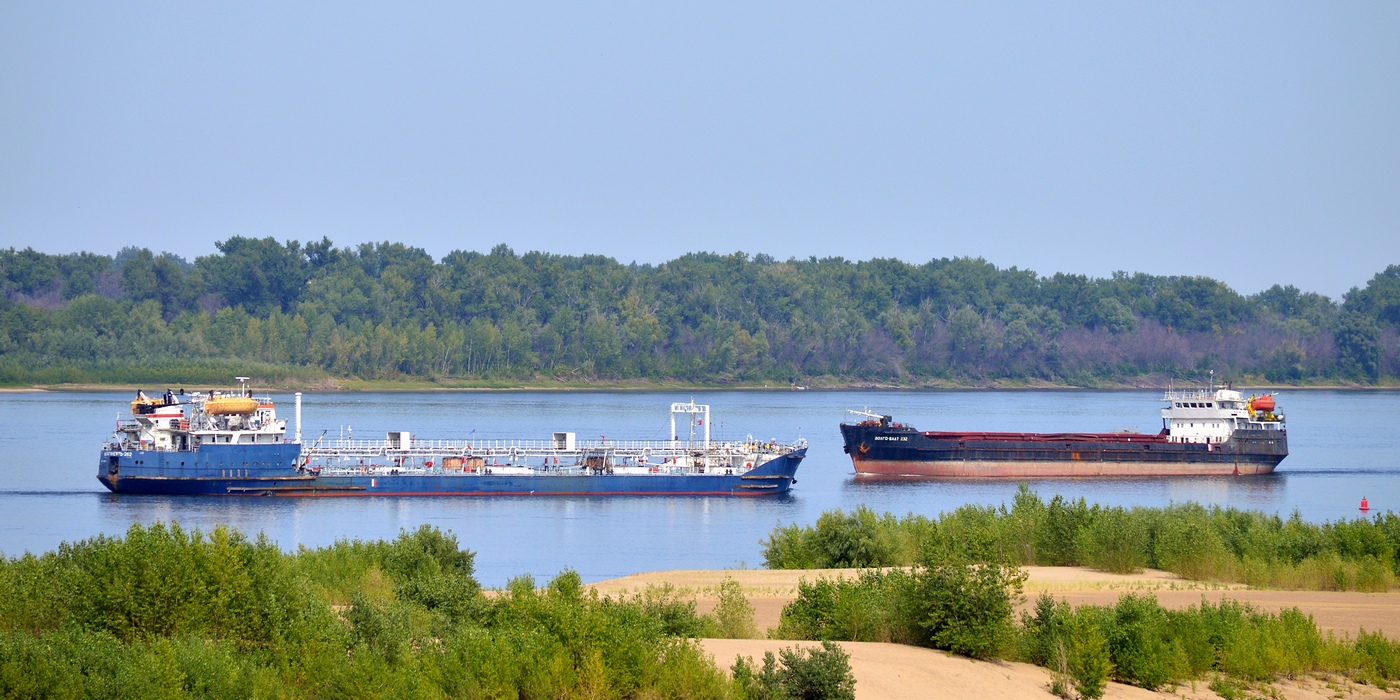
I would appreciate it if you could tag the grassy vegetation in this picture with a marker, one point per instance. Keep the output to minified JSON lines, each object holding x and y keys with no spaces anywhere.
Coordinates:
{"x":967,"y":608}
{"x":173,"y":371}
{"x":168,"y":613}
{"x":1196,"y":542}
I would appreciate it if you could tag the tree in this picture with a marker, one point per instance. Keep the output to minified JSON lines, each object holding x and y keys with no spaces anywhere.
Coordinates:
{"x":258,"y":274}
{"x":1358,"y":345}
{"x":162,"y":278}
{"x":967,"y":336}
{"x":1111,"y":314}
{"x":1380,"y":299}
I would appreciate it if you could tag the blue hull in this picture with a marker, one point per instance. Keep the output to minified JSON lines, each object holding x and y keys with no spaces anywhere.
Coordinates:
{"x":270,"y":470}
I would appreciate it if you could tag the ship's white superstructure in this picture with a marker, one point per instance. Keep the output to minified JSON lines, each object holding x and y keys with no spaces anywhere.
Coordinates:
{"x":1212,"y":416}
{"x":180,"y":421}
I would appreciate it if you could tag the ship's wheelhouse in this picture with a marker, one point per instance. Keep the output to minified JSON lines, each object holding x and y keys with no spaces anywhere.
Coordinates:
{"x":1214,"y":417}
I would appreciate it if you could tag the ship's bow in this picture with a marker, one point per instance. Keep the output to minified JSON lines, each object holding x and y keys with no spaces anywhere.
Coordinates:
{"x":777,"y":475}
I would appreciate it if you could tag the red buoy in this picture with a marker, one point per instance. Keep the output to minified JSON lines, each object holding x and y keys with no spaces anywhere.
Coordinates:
{"x":1364,"y":506}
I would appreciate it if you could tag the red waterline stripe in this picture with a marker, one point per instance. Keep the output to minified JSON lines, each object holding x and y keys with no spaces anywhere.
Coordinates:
{"x":363,"y":494}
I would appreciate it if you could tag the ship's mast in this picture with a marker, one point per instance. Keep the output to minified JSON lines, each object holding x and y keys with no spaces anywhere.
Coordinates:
{"x":692,"y":409}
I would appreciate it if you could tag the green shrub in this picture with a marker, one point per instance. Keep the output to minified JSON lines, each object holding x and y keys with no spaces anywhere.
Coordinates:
{"x":875,"y":607}
{"x":972,"y":533}
{"x":1187,"y":545}
{"x":1020,"y":527}
{"x":798,"y":674}
{"x":812,"y":614}
{"x":966,"y":608}
{"x":687,"y":673}
{"x":1115,"y":540}
{"x":1195,"y":640}
{"x":1226,"y":688}
{"x":1136,"y":641}
{"x":734,"y":613}
{"x":1379,"y":655}
{"x":1057,"y":533}
{"x":1088,"y":659}
{"x":664,"y":608}
{"x":1044,"y":634}
{"x":851,"y":541}
{"x":791,"y":547}
{"x":1140,"y":645}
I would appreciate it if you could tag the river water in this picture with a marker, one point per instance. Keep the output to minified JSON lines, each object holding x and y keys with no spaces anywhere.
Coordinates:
{"x":1342,"y":444}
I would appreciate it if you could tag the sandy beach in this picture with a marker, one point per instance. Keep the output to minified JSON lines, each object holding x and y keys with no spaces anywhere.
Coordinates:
{"x":897,"y":672}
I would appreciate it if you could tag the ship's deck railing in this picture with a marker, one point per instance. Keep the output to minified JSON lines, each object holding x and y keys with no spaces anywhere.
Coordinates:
{"x":691,"y":468}
{"x":1188,"y":395}
{"x":540,"y":448}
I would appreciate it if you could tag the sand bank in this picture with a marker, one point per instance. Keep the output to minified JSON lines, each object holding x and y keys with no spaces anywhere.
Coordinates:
{"x":896,"y":672}
{"x":769,"y":591}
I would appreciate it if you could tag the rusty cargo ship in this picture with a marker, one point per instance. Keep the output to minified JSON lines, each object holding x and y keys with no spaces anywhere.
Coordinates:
{"x":1204,"y":432}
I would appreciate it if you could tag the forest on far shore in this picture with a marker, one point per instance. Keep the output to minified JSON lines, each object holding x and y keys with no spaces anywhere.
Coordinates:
{"x":293,"y":312}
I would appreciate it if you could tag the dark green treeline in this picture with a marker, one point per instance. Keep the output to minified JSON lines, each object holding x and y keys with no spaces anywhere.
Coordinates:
{"x":388,"y":311}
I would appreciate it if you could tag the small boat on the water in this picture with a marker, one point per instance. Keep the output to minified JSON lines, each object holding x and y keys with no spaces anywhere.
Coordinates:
{"x":1215,"y":431}
{"x":232,"y":443}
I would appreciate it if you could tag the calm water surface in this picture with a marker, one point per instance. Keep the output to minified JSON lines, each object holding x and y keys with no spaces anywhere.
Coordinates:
{"x":1342,"y":448}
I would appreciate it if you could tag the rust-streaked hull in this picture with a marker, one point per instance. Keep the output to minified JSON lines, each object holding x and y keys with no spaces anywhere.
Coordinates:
{"x":900,"y":451}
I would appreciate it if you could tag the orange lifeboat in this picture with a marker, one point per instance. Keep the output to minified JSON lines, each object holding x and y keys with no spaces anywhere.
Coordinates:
{"x":1263,"y":403}
{"x":230,"y":406}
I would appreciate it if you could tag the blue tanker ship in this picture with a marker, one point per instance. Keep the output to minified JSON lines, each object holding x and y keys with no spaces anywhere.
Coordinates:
{"x":233,"y":444}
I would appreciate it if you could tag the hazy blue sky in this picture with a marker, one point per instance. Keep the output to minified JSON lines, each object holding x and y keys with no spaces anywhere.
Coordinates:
{"x":1252,"y":142}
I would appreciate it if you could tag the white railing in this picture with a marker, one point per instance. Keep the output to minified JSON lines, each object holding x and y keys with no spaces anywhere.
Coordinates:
{"x":1188,"y":395}
{"x":541,"y":455}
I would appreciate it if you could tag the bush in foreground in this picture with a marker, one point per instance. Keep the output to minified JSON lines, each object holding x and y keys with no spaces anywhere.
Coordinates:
{"x":1137,"y":641}
{"x":797,"y":674}
{"x":947,"y":604}
{"x":966,"y":608}
{"x":165,"y":612}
